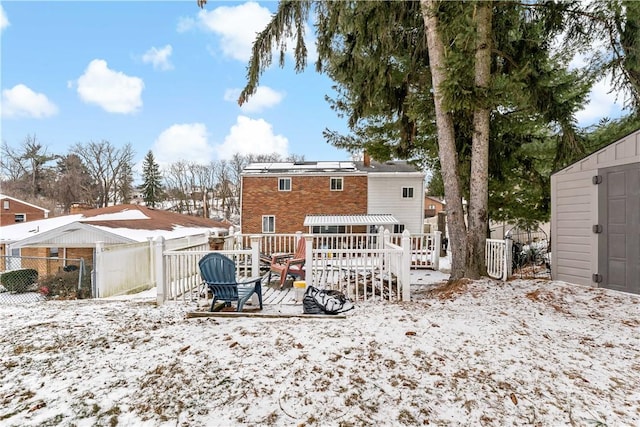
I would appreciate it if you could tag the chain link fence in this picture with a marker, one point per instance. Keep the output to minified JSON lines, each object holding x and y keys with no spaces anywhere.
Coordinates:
{"x":31,"y":279}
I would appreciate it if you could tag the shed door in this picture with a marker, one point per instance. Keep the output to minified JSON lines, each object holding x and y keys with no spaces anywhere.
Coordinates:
{"x":619,"y":243}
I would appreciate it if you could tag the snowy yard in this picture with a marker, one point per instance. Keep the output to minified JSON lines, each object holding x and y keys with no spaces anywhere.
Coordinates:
{"x":516,"y":353}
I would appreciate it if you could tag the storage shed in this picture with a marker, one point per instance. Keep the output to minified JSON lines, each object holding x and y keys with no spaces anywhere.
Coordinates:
{"x":595,"y":218}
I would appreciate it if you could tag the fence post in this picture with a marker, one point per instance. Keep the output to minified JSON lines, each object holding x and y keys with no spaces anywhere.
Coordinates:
{"x":437,"y":242}
{"x":508,"y":249}
{"x":158,"y":266}
{"x":98,"y":268}
{"x":406,"y":266}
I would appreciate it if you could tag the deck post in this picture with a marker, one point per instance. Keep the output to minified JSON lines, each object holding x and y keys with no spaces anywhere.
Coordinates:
{"x":308,"y":264}
{"x":255,"y":263}
{"x":405,"y":269}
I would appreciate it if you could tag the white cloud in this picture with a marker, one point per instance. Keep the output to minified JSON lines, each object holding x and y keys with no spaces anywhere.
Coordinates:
{"x":185,"y":24}
{"x":159,"y":57}
{"x":237,"y":26}
{"x":602,"y":103}
{"x":265,"y":97}
{"x":21,"y":101}
{"x":249,"y":136}
{"x":112,"y":90}
{"x":4,"y":21}
{"x":186,"y":142}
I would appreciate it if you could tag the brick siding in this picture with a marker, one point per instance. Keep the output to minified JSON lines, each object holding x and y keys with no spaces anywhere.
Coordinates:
{"x":309,"y":195}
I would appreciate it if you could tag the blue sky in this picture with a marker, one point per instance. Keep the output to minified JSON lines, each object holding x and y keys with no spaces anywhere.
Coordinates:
{"x":164,"y":76}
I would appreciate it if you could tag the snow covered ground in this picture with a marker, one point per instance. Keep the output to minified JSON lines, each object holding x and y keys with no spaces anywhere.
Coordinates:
{"x":525,"y":352}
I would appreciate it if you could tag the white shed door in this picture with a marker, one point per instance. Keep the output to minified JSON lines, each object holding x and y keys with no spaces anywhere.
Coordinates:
{"x":619,"y":243}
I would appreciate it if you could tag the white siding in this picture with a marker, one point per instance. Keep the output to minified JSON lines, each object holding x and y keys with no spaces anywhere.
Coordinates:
{"x":385,"y":197}
{"x":574,"y":210}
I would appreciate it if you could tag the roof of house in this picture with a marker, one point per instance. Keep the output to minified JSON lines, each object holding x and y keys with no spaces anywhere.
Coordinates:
{"x":4,"y":196}
{"x":324,"y":167}
{"x":436,"y":199}
{"x":113,"y":224}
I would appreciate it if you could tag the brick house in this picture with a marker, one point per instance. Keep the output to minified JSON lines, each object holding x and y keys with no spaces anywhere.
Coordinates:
{"x":14,"y":211}
{"x":278,"y":197}
{"x":433,"y":206}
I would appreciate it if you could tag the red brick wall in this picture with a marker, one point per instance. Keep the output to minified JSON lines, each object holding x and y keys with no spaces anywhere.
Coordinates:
{"x":309,"y":195}
{"x":7,"y":216}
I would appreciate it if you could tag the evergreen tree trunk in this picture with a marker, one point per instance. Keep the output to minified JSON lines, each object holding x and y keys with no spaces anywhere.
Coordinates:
{"x":479,"y":181}
{"x":446,"y":145}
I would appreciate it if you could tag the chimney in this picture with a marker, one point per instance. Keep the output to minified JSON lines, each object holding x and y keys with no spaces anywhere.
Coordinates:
{"x":79,"y":207}
{"x":366,"y":160}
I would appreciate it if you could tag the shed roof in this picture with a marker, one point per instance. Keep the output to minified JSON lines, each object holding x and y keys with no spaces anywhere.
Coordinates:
{"x":364,"y":219}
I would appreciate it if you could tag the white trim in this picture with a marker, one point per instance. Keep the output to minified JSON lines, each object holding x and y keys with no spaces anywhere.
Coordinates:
{"x":364,"y":219}
{"x":4,"y":196}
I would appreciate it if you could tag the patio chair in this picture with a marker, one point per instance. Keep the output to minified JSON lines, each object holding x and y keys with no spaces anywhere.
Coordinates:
{"x":219,"y":273}
{"x":289,"y":264}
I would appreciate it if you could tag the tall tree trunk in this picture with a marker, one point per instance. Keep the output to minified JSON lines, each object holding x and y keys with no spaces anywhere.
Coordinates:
{"x":479,"y":181}
{"x":446,"y":144}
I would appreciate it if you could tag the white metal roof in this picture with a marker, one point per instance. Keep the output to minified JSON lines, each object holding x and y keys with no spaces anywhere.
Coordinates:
{"x":364,"y":219}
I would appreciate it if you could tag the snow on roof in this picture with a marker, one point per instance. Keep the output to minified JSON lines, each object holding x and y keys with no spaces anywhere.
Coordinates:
{"x":131,"y":222}
{"x":22,"y":230}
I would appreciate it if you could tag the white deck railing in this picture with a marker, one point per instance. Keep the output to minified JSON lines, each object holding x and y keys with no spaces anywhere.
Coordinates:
{"x":362,"y":273}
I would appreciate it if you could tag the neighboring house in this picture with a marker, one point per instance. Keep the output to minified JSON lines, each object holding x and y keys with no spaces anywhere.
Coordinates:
{"x":433,"y":206}
{"x":595,"y":218}
{"x":76,"y":235}
{"x":331,"y":197}
{"x":15,"y":211}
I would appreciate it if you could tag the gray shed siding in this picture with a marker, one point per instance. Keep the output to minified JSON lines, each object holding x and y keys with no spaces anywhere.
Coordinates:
{"x":574,"y":210}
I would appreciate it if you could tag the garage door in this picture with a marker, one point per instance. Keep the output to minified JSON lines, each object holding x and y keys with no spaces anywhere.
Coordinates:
{"x":619,"y":243}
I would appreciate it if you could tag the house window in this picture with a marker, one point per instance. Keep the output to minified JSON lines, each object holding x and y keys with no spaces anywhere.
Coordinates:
{"x":398,"y":228}
{"x":284,"y":184}
{"x":5,"y":204}
{"x":329,"y":229}
{"x":268,"y":224}
{"x":53,"y":252}
{"x":432,"y":206}
{"x":20,"y":217}
{"x":407,"y":192}
{"x":336,"y":184}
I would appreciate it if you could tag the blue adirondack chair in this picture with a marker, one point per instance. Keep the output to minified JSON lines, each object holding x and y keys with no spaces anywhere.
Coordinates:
{"x":219,"y":274}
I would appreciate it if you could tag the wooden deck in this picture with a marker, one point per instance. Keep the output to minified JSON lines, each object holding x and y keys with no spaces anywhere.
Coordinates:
{"x":276,"y":303}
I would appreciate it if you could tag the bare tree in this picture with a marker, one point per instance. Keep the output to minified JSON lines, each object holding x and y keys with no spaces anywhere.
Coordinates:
{"x":105,"y":164}
{"x":176,"y":182}
{"x":26,"y":167}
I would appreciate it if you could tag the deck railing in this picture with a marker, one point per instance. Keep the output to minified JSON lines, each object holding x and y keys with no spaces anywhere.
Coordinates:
{"x":380,"y":271}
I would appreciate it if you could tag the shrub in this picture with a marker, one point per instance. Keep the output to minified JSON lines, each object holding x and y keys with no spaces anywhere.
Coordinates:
{"x":19,"y":281}
{"x":63,"y":284}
